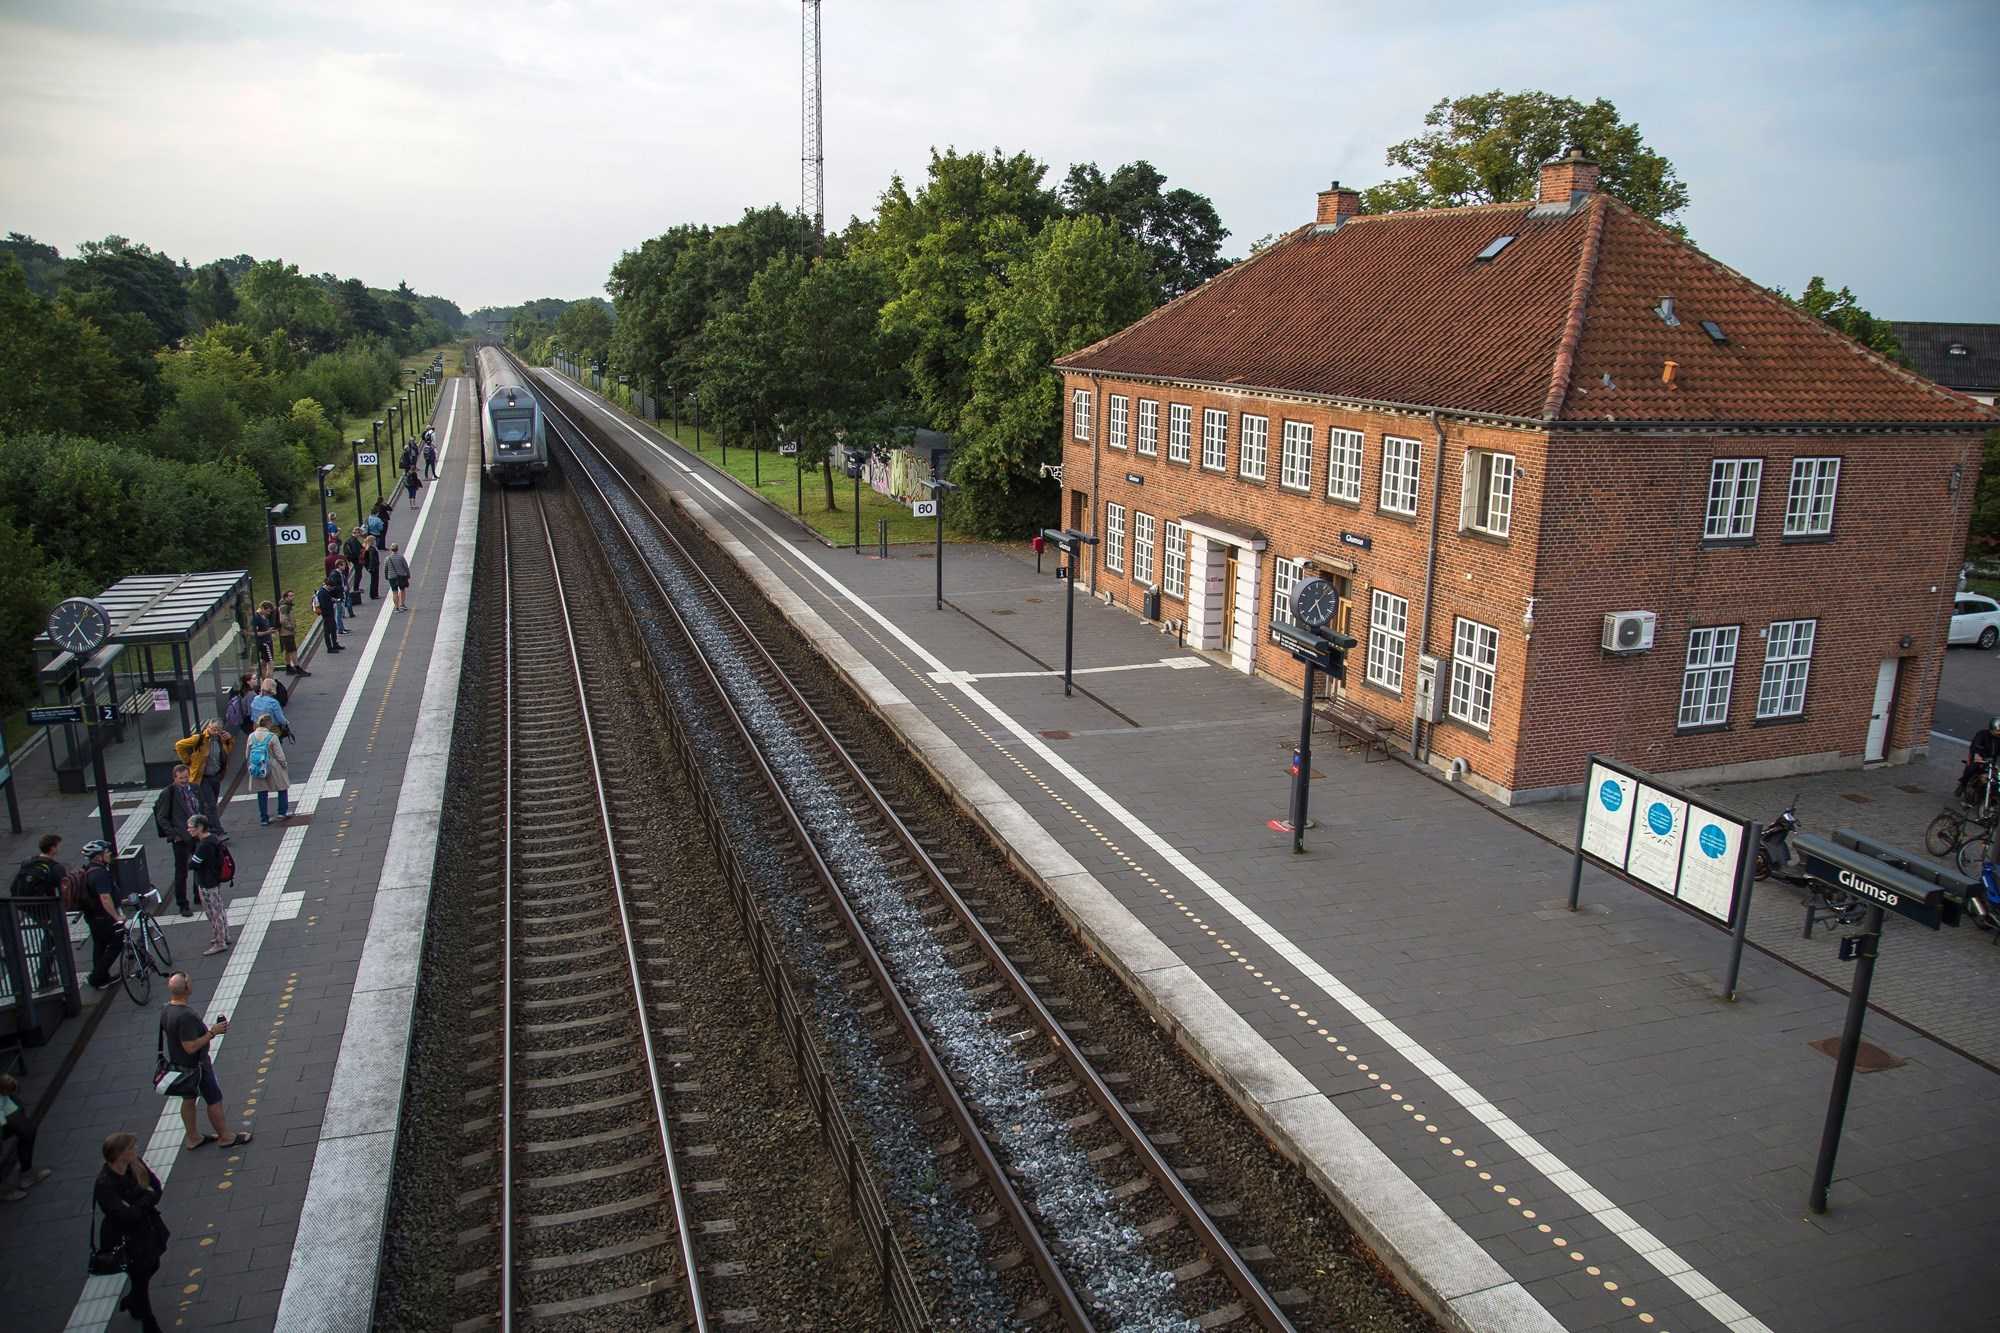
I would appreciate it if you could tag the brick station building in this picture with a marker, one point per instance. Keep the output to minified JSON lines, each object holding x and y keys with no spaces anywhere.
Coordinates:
{"x":1514,"y":434}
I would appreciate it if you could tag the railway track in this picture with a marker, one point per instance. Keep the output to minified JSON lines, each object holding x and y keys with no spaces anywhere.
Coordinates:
{"x":584,"y":1219}
{"x":1112,"y":1230}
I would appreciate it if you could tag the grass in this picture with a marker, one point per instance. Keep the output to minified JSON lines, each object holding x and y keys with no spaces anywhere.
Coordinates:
{"x":1990,"y":587}
{"x":776,"y":478}
{"x":303,"y":567}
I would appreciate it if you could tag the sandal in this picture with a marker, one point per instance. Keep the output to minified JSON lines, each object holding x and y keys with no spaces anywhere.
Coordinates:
{"x":242,"y":1136}
{"x":206,"y":1139}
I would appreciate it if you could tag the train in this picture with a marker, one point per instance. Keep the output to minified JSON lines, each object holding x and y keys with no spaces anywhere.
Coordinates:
{"x":515,"y":436}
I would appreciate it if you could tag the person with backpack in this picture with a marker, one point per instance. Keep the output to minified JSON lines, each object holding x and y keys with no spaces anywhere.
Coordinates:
{"x":288,"y":635}
{"x":41,"y":876}
{"x":430,"y":458}
{"x":92,"y":889}
{"x":327,"y":602}
{"x":236,"y":713}
{"x":180,"y":801}
{"x":409,"y":456}
{"x":267,"y":708}
{"x":213,"y":866}
{"x":268,"y":771}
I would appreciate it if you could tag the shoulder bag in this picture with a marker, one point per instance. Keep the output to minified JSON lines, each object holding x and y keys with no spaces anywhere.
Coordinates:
{"x":169,"y":1079}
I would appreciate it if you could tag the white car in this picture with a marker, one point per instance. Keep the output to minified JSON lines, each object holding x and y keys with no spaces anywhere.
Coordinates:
{"x":1975,"y":619}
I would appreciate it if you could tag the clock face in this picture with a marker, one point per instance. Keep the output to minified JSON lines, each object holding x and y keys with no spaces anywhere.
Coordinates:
{"x":80,"y":625}
{"x":1314,"y":603}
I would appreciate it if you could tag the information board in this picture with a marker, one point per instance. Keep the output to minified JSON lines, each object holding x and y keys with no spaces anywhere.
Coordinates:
{"x":1666,"y":840}
{"x":1710,"y":858}
{"x":1607,"y":816}
{"x":1658,"y":822}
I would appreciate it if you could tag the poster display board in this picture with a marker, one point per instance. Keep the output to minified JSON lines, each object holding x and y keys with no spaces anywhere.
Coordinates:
{"x":1664,"y":839}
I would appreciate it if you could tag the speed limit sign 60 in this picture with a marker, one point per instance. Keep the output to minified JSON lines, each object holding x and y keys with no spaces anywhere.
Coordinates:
{"x":289,"y":535}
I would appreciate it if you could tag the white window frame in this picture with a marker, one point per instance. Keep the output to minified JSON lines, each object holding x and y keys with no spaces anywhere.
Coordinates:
{"x":1733,"y":487}
{"x":1708,"y":676}
{"x":1295,"y":456}
{"x":1402,"y":474}
{"x":1149,"y":428}
{"x":1119,"y":420}
{"x":1475,"y":664}
{"x":1285,"y":576}
{"x":1173,"y":561}
{"x":1079,"y":414}
{"x":1215,"y":439}
{"x":1343,"y":465}
{"x":1788,"y":650}
{"x":1815,"y":482}
{"x":1114,"y":536}
{"x":1142,"y":547}
{"x":1180,"y":432}
{"x":1253,"y":446}
{"x":1486,"y":504}
{"x":1388,"y":633}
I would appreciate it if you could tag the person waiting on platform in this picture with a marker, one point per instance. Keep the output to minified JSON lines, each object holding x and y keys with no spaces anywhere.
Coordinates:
{"x":1979,"y":757}
{"x":129,"y":1195}
{"x":206,"y":753}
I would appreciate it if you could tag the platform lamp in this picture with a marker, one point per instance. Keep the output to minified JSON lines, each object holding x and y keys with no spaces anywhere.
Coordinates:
{"x":325,"y":519}
{"x":389,"y":412}
{"x":856,"y":458}
{"x":939,"y":488}
{"x":272,"y":517}
{"x":355,"y":449}
{"x":377,"y":431}
{"x":1071,"y":543}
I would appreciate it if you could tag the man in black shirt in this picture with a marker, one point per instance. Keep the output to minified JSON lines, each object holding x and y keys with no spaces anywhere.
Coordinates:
{"x":99,"y":904}
{"x":177,"y":804}
{"x":40,"y":876}
{"x":1979,"y":757}
{"x":186,"y":1040}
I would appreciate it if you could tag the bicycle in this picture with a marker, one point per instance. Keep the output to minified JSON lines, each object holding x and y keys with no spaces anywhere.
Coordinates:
{"x":1969,"y":824}
{"x":144,"y":950}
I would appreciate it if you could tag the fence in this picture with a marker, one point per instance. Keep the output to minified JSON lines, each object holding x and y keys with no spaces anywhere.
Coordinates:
{"x":38,"y":985}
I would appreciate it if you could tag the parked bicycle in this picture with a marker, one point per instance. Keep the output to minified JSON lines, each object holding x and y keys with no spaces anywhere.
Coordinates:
{"x":144,"y":952}
{"x":1967,"y":831}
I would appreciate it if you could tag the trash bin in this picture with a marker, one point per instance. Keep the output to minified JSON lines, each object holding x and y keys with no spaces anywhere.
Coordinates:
{"x":1150,"y":605}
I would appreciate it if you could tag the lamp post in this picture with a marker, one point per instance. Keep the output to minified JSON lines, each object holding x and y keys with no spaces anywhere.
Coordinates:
{"x":1071,"y":543}
{"x":355,"y":449}
{"x":325,"y":471}
{"x":939,"y":488}
{"x":271,"y":517}
{"x":378,"y":460}
{"x":855,"y":458}
{"x":395,"y":433}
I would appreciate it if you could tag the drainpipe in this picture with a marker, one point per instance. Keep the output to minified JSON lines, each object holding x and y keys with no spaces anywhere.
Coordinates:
{"x":1420,"y":732}
{"x":1097,"y":429}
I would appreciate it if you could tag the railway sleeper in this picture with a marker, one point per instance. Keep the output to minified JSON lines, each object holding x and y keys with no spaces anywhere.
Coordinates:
{"x":549,"y":1263}
{"x":1222,"y":1317}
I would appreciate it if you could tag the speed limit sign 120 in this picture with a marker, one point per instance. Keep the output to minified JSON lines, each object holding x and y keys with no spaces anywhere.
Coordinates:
{"x":290,"y":534}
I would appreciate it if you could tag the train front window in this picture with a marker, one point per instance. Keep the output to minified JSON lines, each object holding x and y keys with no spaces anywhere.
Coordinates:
{"x":517,"y":429}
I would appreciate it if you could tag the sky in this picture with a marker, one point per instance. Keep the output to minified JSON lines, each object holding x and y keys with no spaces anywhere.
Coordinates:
{"x":504,"y":151}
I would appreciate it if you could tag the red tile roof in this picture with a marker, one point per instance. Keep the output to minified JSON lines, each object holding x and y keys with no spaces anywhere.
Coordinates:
{"x":1394,"y":308}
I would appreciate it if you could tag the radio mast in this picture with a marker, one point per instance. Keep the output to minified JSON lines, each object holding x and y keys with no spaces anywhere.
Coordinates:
{"x":812,"y":162}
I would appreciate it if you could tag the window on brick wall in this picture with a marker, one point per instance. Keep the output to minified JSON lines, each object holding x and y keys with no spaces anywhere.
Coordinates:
{"x":1173,"y":561}
{"x":1809,"y":499}
{"x":1295,"y":464}
{"x":1149,"y":428}
{"x":1788,"y":649}
{"x":1114,"y":537}
{"x":1180,"y":430}
{"x":1253,"y":446}
{"x":1343,"y":465}
{"x":1388,"y":625}
{"x":1475,"y":655}
{"x":1214,"y":437}
{"x":1142,"y":547}
{"x":1706,"y":679}
{"x":1733,"y":484}
{"x":1401,"y":461}
{"x":1488,"y":502}
{"x":1079,"y":414}
{"x":1119,"y":410}
{"x":1285,"y":575}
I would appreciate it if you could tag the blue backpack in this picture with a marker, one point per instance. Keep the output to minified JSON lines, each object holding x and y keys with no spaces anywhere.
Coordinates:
{"x":260,"y":755}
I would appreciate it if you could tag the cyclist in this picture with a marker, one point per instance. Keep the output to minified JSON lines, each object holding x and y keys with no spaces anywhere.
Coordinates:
{"x":99,"y":905}
{"x":1980,"y":755}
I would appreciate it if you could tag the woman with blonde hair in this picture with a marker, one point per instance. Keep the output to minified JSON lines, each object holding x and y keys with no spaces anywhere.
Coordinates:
{"x":129,"y":1194}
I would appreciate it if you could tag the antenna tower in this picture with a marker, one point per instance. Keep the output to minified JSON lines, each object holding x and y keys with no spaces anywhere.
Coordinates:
{"x":812,"y":162}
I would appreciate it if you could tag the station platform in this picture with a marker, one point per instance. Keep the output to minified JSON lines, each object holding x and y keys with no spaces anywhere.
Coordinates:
{"x":1543,"y":1120}
{"x":300,"y":913}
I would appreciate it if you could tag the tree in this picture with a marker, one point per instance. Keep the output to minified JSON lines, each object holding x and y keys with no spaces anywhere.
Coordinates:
{"x":1489,"y":148}
{"x":61,"y":372}
{"x":841,"y":373}
{"x":1083,"y":281}
{"x":1179,"y":229}
{"x":1843,"y":312}
{"x":1983,"y":538}
{"x":43,"y":265}
{"x":276,"y":297}
{"x":661,"y":301}
{"x":360,"y":314}
{"x":584,"y":331}
{"x":211,"y":296}
{"x":134,"y":280}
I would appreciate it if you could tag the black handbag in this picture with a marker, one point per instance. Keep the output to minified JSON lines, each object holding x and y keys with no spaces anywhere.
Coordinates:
{"x":108,"y":1259}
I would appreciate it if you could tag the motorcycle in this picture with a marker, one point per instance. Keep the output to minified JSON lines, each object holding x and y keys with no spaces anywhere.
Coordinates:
{"x":1774,"y":847}
{"x":1982,"y":900}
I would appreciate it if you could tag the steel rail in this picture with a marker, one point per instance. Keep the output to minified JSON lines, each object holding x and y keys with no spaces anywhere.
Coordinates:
{"x":507,"y":930}
{"x":683,"y":1220}
{"x":1063,"y":1297}
{"x":1259,"y":1300}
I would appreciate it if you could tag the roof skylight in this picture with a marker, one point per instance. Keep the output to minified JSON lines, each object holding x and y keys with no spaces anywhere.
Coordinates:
{"x":1714,"y":331}
{"x":1493,"y":247}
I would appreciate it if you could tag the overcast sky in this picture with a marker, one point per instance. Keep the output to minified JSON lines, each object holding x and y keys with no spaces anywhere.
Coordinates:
{"x":503,"y":151}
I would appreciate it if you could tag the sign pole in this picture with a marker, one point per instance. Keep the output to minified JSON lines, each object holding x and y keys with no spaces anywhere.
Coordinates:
{"x":1302,"y":772}
{"x":271,"y":531}
{"x":1069,"y":616}
{"x":355,"y":450}
{"x":1746,"y":879}
{"x":857,"y":513}
{"x":940,"y":557}
{"x":1576,"y":862}
{"x":92,"y":730}
{"x":1867,"y":943}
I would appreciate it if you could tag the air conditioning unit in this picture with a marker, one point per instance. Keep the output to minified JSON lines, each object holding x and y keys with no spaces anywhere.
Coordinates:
{"x":1628,"y":631}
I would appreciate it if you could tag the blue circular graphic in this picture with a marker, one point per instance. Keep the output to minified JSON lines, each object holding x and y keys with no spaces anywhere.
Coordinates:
{"x":1659,"y":818}
{"x":1713,"y":844}
{"x":1611,"y":794}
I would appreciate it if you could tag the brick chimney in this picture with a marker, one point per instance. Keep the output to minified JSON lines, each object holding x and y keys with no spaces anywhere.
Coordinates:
{"x":1567,"y":178}
{"x":1337,"y":204}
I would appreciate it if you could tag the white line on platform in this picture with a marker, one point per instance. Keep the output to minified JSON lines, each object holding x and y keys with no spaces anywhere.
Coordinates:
{"x":99,"y":1300}
{"x":968,"y":678}
{"x":1552,"y":1168}
{"x":1947,"y":736}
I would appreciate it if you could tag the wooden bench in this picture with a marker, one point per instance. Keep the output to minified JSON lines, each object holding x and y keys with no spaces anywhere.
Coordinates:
{"x":1356,"y":727}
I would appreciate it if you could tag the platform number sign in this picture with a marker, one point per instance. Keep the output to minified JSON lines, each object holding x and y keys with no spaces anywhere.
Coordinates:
{"x":924,"y":508}
{"x":365,"y":459}
{"x":289,"y":534}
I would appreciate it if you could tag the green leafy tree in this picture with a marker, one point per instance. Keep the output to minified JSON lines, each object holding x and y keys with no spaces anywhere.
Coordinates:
{"x":1843,"y":312}
{"x":842,"y":373}
{"x":1489,"y":148}
{"x":743,"y":357}
{"x":42,"y":264}
{"x":661,"y":299}
{"x":61,"y":372}
{"x":30,"y":586}
{"x":360,"y":314}
{"x":277,"y":298}
{"x":584,"y":331}
{"x":1983,"y":538}
{"x":135,"y":280}
{"x":211,"y":296}
{"x":1180,"y":230}
{"x":1084,"y":280}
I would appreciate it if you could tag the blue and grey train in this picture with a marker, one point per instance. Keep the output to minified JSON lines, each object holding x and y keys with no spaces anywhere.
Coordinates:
{"x":516,"y":433}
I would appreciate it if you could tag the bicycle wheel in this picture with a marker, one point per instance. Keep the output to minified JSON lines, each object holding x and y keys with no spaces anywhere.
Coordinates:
{"x":156,"y":943}
{"x":1943,"y":836}
{"x":138,"y":977}
{"x":1976,"y":852}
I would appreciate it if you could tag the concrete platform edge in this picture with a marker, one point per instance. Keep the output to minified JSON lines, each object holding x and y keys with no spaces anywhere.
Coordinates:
{"x":1443,"y":1267}
{"x":330,"y":1287}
